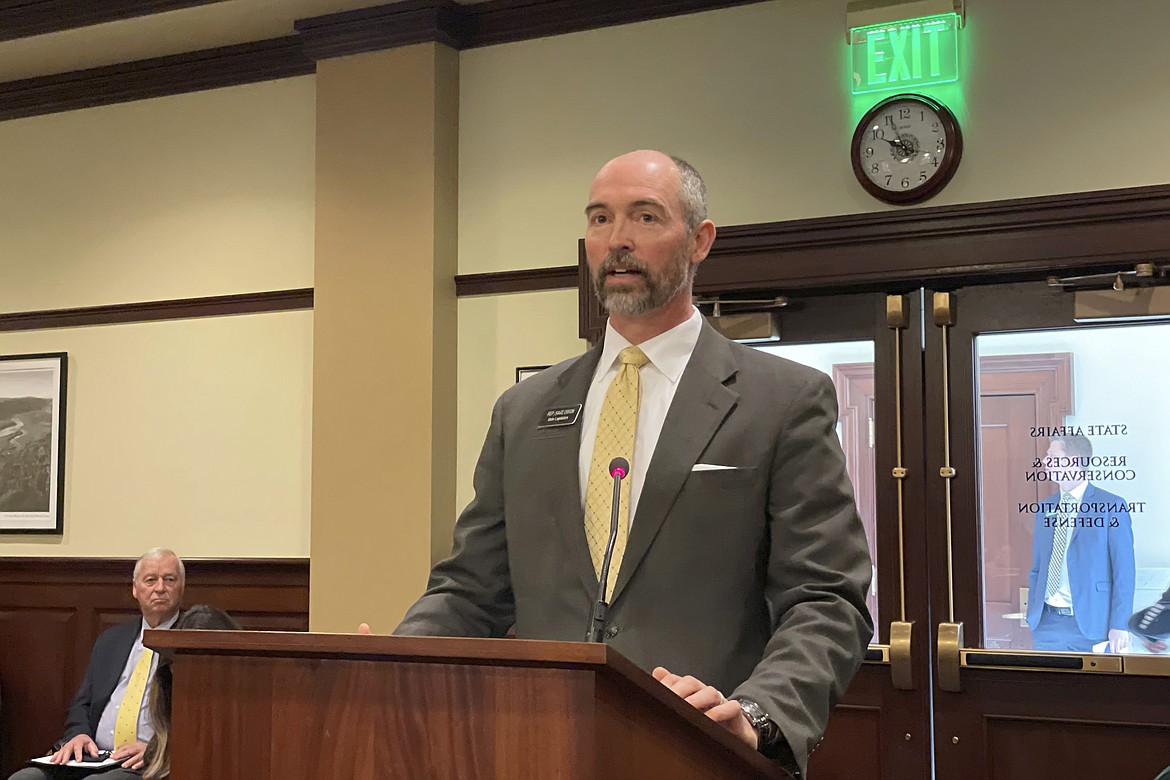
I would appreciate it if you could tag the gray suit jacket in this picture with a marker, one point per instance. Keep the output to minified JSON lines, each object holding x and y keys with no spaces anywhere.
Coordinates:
{"x":751,"y":579}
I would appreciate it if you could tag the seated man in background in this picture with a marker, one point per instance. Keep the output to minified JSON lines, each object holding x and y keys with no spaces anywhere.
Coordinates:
{"x":201,"y":617}
{"x":109,"y":711}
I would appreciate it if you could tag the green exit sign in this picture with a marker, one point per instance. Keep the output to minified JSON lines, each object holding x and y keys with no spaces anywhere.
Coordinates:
{"x":911,"y":53}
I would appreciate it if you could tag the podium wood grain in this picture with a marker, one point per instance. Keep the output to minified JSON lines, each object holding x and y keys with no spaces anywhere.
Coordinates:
{"x":269,"y":705}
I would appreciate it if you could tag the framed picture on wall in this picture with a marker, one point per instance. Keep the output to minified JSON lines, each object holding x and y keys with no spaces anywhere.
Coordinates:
{"x":32,"y":443}
{"x":523,"y":372}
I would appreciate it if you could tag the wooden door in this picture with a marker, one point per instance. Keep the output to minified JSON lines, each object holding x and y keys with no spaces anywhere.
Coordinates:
{"x":880,"y":729}
{"x":1002,"y":709}
{"x":1016,"y":394}
{"x":858,"y":425}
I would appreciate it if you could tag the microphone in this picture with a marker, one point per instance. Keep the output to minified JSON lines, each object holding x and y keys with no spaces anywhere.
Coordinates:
{"x":619,"y":469}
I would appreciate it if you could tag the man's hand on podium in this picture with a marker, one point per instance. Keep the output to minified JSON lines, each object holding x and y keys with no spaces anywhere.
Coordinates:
{"x":364,"y":629}
{"x":710,"y":701}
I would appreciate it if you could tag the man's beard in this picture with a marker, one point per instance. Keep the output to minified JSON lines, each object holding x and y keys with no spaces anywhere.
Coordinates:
{"x":658,"y":288}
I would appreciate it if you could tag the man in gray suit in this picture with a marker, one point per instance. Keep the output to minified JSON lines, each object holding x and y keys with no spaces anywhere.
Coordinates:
{"x":741,"y":563}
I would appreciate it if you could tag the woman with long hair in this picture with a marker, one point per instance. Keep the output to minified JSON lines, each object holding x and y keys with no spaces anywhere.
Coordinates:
{"x":158,"y":752}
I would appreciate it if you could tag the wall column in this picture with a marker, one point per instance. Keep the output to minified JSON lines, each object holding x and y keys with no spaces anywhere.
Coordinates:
{"x":384,"y":333}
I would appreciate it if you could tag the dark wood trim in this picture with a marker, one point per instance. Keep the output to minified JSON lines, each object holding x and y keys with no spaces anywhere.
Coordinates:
{"x":556,"y":278}
{"x":152,"y":311}
{"x":381,"y":27}
{"x":482,"y":24}
{"x":894,"y":251}
{"x":507,"y":21}
{"x":25,"y":18}
{"x":226,"y":66}
{"x":1021,"y":238}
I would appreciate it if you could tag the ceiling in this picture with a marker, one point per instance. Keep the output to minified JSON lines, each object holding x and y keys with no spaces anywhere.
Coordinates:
{"x":172,"y":32}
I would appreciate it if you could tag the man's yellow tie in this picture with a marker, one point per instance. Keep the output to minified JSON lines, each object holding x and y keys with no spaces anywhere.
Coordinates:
{"x":126,"y":726}
{"x":615,"y":436}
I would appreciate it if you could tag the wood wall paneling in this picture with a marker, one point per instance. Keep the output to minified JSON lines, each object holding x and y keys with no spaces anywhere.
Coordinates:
{"x":1060,"y":748}
{"x":52,"y":610}
{"x":854,"y":745}
{"x":34,"y":639}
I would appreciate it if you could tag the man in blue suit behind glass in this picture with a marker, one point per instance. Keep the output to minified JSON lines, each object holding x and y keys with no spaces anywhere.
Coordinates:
{"x":1080,"y":588}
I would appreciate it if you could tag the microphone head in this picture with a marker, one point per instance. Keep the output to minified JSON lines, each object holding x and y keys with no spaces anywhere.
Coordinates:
{"x":1153,"y":622}
{"x":619,"y":468}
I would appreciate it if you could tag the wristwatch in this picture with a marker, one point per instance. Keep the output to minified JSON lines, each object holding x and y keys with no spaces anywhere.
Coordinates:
{"x":766,"y":728}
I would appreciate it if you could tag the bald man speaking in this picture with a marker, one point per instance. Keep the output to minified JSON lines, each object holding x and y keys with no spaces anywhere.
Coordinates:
{"x":739,"y":564}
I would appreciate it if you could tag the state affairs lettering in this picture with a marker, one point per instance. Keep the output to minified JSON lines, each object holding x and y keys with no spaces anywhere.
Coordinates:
{"x":1047,"y":432}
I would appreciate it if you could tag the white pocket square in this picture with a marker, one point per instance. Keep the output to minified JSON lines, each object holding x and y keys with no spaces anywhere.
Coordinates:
{"x":713,"y":467}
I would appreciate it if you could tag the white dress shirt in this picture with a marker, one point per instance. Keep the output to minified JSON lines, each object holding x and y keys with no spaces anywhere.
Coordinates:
{"x":668,"y":354}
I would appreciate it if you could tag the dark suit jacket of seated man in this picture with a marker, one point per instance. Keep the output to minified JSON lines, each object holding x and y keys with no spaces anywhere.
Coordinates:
{"x":158,"y":582}
{"x":746,"y":566}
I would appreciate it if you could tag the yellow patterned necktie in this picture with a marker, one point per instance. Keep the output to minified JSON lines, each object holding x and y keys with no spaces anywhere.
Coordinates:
{"x":126,"y":725}
{"x":616,"y":429}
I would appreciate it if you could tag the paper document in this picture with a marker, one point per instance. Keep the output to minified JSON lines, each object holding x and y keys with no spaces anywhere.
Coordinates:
{"x":109,"y":762}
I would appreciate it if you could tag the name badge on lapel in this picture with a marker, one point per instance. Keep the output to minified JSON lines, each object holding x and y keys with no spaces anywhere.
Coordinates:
{"x":560,"y":417}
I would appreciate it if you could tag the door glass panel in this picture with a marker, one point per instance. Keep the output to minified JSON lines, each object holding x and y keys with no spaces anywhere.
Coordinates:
{"x":850,"y":365}
{"x":1073,"y":435}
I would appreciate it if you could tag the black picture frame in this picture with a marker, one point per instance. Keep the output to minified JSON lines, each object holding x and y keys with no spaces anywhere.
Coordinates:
{"x":32,"y":442}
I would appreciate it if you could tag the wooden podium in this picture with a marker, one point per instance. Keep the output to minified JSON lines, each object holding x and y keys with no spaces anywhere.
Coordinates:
{"x":281,"y":706}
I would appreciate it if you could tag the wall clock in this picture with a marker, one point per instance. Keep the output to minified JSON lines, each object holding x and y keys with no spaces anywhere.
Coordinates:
{"x":906,"y":149}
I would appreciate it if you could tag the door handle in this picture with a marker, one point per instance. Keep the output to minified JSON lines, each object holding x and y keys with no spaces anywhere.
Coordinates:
{"x":901,"y":667}
{"x":950,"y":657}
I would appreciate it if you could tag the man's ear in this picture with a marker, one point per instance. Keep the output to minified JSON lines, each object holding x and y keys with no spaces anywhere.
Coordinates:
{"x":704,"y":237}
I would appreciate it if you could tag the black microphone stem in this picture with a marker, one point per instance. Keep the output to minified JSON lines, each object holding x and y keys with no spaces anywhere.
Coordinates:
{"x":601,"y":608}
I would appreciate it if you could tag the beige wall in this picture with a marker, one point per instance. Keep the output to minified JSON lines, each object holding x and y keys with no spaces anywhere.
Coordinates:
{"x":385,"y":330}
{"x":192,"y":434}
{"x":524,"y":329}
{"x":1058,"y":96}
{"x":189,"y":434}
{"x":209,"y":193}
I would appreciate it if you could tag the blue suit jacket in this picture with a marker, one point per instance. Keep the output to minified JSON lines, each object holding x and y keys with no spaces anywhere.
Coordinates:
{"x":106,"y":663}
{"x":1100,"y":564}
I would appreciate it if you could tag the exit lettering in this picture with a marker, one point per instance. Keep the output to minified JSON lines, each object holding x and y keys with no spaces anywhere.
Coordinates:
{"x":906,"y":54}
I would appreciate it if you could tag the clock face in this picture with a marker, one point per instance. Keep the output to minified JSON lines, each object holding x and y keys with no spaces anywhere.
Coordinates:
{"x":906,"y":148}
